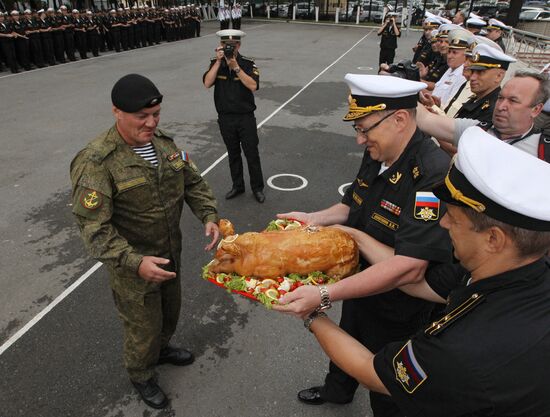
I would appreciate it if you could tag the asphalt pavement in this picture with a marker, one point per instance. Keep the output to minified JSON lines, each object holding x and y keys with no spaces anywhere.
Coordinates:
{"x":250,"y":361}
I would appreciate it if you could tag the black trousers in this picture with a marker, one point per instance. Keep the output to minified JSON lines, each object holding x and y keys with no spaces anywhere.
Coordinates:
{"x":374,"y":333}
{"x":47,"y":47}
{"x":23,"y":52}
{"x":387,"y":55}
{"x":59,"y":46}
{"x":8,"y":49}
{"x":81,"y":43}
{"x":115,"y":38}
{"x":92,"y":40}
{"x":68,"y":37}
{"x":239,"y":130}
{"x":36,"y":53}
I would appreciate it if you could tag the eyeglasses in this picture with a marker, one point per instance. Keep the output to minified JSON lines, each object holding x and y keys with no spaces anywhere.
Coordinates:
{"x":363,"y":132}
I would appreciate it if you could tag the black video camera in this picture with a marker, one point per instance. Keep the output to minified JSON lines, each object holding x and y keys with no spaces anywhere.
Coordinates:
{"x":228,"y":50}
{"x":405,"y":69}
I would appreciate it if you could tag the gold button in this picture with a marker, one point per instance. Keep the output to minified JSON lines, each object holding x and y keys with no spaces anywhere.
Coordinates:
{"x":446,"y":318}
{"x":475,"y":295}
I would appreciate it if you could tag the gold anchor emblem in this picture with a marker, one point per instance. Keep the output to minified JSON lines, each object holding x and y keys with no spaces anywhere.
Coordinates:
{"x":394,"y":179}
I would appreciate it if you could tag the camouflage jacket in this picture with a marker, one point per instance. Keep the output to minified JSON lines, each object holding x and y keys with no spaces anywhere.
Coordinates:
{"x":127,"y":208}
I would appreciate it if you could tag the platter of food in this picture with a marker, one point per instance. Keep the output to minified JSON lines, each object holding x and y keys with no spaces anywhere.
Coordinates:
{"x":263,"y":266}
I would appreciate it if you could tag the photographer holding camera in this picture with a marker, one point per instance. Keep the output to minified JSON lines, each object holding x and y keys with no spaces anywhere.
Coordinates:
{"x":388,"y":44}
{"x":235,"y":78}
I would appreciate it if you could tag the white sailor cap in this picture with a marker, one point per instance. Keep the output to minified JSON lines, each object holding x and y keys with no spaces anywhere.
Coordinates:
{"x":27,"y":11}
{"x":482,"y":40}
{"x":496,"y":24}
{"x":50,"y":9}
{"x":89,"y":12}
{"x":120,"y":9}
{"x":444,"y":20}
{"x":40,"y":11}
{"x":443,"y":31}
{"x":14,"y":13}
{"x":431,"y":22}
{"x":370,"y":93}
{"x":112,"y":11}
{"x":484,"y":57}
{"x":75,"y":11}
{"x":498,"y":180}
{"x":63,"y":7}
{"x":460,"y":39}
{"x":433,"y":35}
{"x":230,"y":35}
{"x":476,"y":22}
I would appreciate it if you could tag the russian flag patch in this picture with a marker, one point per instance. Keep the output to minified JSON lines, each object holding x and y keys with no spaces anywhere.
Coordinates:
{"x":426,"y":206}
{"x":407,"y":369}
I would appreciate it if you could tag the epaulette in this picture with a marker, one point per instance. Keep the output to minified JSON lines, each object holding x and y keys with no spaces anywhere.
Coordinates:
{"x":451,"y":317}
{"x":159,"y":133}
{"x":98,"y":149}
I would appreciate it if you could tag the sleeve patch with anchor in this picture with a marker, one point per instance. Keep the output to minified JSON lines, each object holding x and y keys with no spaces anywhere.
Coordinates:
{"x":91,"y":199}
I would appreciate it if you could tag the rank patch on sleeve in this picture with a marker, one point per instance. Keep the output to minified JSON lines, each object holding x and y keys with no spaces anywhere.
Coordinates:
{"x":426,"y":206}
{"x":408,"y":371}
{"x":91,"y":199}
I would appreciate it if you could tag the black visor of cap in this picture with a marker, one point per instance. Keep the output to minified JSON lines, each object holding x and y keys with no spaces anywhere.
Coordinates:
{"x":492,"y":209}
{"x":134,"y":92}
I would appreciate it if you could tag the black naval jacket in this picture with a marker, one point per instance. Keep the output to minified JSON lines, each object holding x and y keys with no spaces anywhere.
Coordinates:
{"x":230,"y":94}
{"x":437,"y":68}
{"x":385,"y":207}
{"x":488,"y":356}
{"x":479,"y":109}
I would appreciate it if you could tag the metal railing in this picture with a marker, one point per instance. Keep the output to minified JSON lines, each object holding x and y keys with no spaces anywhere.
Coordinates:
{"x":531,"y":48}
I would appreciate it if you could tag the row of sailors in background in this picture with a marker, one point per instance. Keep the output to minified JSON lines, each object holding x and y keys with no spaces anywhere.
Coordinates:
{"x":45,"y":37}
{"x":232,"y":14}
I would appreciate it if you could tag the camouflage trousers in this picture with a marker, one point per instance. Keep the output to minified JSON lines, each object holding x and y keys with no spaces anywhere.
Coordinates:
{"x":149,"y":322}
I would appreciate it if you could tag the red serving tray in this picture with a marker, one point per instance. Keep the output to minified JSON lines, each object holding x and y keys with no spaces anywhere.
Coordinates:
{"x":244,"y":294}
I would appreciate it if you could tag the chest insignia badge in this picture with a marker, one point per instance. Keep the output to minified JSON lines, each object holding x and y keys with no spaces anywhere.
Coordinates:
{"x":362,"y":183}
{"x":415,"y":172}
{"x":394,"y":179}
{"x":485,"y":105}
{"x":426,"y":206}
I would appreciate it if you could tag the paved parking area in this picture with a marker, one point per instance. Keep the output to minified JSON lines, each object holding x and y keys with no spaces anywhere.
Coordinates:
{"x":250,"y":362}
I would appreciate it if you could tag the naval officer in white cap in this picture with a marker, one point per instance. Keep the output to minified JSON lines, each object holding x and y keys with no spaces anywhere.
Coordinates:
{"x":494,"y":32}
{"x":519,"y":102}
{"x":488,"y":355}
{"x":487,"y":68}
{"x":390,"y":211}
{"x":235,"y":78}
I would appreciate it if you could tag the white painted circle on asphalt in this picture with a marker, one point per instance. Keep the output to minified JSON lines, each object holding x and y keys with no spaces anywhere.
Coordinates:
{"x":303,"y":185}
{"x":341,"y":188}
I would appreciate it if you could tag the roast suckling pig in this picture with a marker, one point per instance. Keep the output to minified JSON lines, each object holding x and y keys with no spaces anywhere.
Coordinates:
{"x":278,"y":253}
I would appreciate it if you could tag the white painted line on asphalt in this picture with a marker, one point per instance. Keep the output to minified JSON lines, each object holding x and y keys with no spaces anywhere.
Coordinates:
{"x":94,"y":268}
{"x":50,"y":306}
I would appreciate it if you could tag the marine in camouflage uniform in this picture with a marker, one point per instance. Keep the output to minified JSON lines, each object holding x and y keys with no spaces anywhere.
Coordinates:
{"x":126,"y":209}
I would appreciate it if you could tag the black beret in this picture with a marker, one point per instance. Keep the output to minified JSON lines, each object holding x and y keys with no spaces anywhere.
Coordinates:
{"x":134,"y":92}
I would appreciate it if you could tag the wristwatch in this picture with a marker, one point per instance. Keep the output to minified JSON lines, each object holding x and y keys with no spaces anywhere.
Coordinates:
{"x":325,"y":299}
{"x":237,"y":70}
{"x":316,"y":314}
